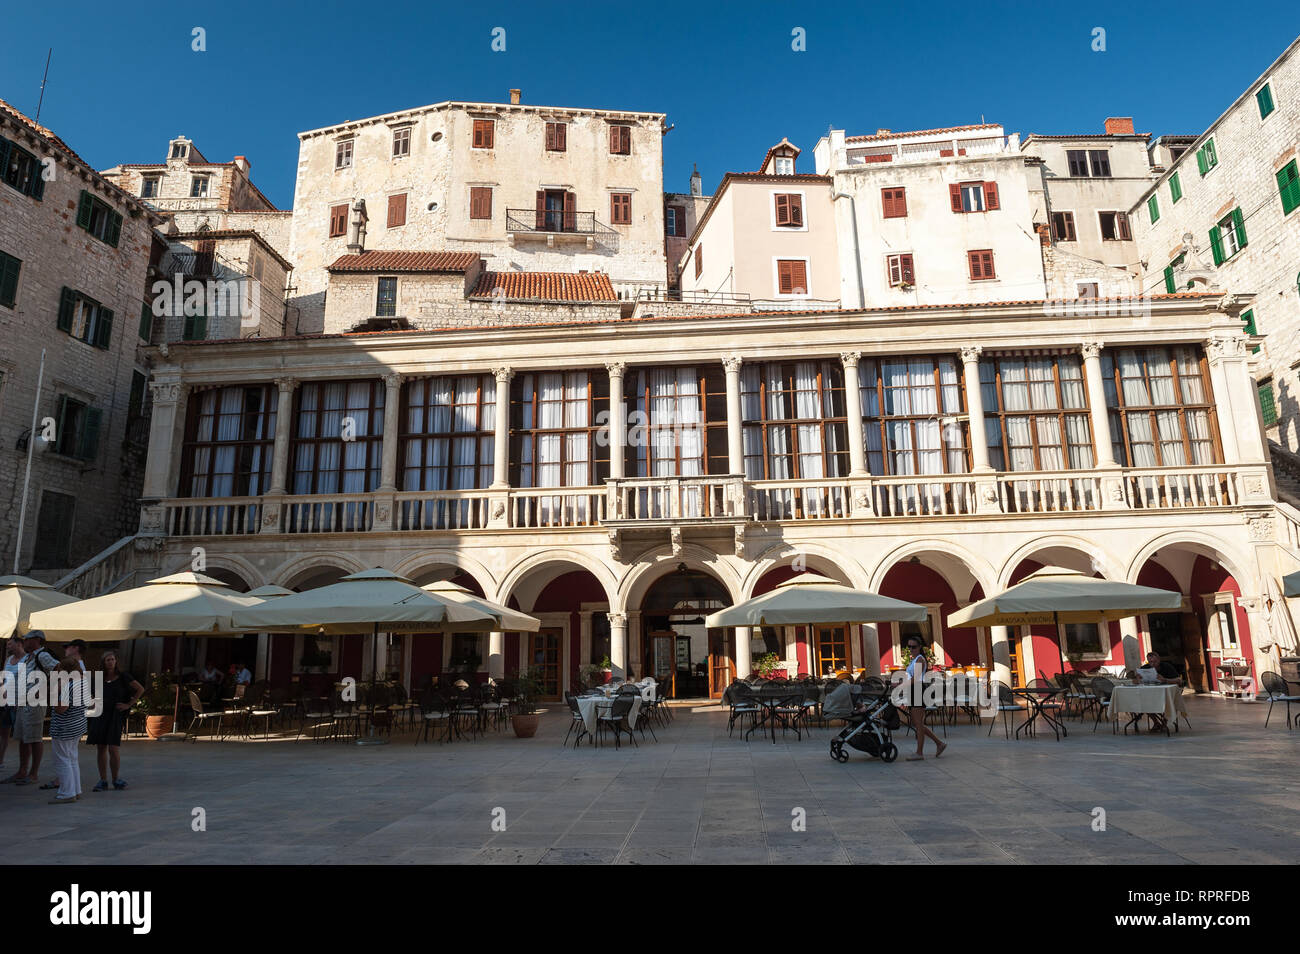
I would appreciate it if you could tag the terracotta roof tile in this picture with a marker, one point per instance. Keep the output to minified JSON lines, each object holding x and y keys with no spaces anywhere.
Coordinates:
{"x":919,"y":132}
{"x":405,"y":261}
{"x":545,"y":286}
{"x":38,"y":129}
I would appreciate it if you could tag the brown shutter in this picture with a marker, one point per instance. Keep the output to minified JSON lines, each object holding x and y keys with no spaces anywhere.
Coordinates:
{"x":561,"y":137}
{"x":991,"y":196}
{"x":909,"y":274}
{"x":620,"y":140}
{"x":945,"y":153}
{"x":954,"y":194}
{"x":1121,"y":226}
{"x":679,"y":221}
{"x":782,"y":209}
{"x":570,"y":212}
{"x":972,"y":265}
{"x":625,"y":140}
{"x":783,"y":277}
{"x":796,"y":211}
{"x":338,"y":220}
{"x":550,"y":137}
{"x":396,"y":210}
{"x":900,"y":205}
{"x":699,"y":260}
{"x":480,"y":202}
{"x":541,"y":211}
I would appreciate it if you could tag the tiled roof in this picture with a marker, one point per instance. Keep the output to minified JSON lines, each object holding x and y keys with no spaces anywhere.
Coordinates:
{"x":784,"y":142}
{"x":38,"y":129}
{"x":405,"y":261}
{"x":545,"y":286}
{"x":1087,"y":136}
{"x":919,"y":132}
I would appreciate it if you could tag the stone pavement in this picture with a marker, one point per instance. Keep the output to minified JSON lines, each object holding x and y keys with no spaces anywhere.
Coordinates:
{"x":1223,"y":792}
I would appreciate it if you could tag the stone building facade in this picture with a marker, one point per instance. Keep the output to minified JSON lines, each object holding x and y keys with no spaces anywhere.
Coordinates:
{"x":75,"y":256}
{"x":528,"y":188}
{"x":1226,"y":214}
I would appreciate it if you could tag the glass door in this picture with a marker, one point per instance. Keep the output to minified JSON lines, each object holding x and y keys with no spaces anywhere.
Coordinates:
{"x":722,"y":667}
{"x":544,"y":655}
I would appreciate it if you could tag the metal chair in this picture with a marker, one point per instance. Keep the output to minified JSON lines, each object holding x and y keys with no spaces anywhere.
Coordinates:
{"x":1007,"y":704}
{"x":199,"y":717}
{"x":576,"y":721}
{"x":617,"y":719}
{"x":434,"y":712}
{"x":1101,"y":690}
{"x":1278,"y":690}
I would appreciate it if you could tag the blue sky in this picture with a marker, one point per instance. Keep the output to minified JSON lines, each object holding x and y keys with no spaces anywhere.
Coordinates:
{"x":124,"y":79}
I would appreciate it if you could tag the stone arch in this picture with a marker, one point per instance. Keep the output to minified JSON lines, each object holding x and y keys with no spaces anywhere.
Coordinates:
{"x":979,"y":568}
{"x":820,"y":559}
{"x":413,"y":566}
{"x":1202,"y":544}
{"x":229,"y":562}
{"x":295,"y":568}
{"x":1102,"y":561}
{"x":541,"y":558}
{"x":653,"y":564}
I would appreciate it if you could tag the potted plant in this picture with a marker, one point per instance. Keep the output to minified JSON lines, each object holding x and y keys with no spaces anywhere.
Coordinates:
{"x":159,"y":705}
{"x":928,"y":652}
{"x":528,"y":690}
{"x":596,"y":674}
{"x":769,"y":666}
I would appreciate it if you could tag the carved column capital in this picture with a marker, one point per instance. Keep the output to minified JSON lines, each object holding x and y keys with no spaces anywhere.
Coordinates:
{"x":616,"y":369}
{"x":286,"y":384}
{"x":1226,"y":346}
{"x":850,"y":359}
{"x":167,"y":392}
{"x":392,"y":380}
{"x":731,"y":363}
{"x":617,"y":619}
{"x":503,"y":374}
{"x":971,"y":354}
{"x":1090,"y":350}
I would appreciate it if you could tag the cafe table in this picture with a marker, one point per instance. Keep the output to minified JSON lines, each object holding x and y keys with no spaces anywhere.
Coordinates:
{"x":1038,"y":697}
{"x":592,"y":706}
{"x":1164,"y":701}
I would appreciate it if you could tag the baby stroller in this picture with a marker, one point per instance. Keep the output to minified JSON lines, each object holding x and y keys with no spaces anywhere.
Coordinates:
{"x":868,"y":730}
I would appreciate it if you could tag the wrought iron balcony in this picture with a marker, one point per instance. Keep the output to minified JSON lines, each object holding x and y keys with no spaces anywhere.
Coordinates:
{"x":550,"y":222}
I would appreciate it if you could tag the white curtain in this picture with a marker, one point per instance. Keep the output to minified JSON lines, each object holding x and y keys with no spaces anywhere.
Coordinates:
{"x":808,"y":409}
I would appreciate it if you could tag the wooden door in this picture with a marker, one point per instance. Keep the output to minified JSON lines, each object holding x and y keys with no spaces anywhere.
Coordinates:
{"x":1013,"y":653}
{"x":722,"y":665}
{"x":1193,"y":637}
{"x":544,"y":654}
{"x":830,"y":650}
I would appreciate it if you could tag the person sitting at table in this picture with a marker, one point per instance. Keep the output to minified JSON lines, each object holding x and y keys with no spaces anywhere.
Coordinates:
{"x":242,"y":676}
{"x":211,"y":674}
{"x":1157,"y":672}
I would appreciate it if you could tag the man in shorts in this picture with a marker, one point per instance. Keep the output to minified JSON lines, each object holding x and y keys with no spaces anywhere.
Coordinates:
{"x":29,"y":721}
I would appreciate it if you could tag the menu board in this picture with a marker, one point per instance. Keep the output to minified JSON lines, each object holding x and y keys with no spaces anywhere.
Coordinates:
{"x":683,"y":654}
{"x":663,"y":653}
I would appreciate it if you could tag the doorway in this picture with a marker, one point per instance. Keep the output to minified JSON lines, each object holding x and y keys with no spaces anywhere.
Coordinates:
{"x":544,"y":655}
{"x":1178,"y":639}
{"x":722,"y":662}
{"x":679,"y":644}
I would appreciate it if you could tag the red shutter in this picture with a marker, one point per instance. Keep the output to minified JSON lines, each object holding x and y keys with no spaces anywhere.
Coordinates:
{"x":620,"y":140}
{"x":981,"y":265}
{"x":480,"y":202}
{"x":679,"y":221}
{"x":338,"y":220}
{"x":894,"y":203}
{"x":625,"y":140}
{"x":620,"y":208}
{"x":570,"y":212}
{"x":483,"y":133}
{"x":541,"y":211}
{"x":699,"y":260}
{"x":796,"y":210}
{"x":945,"y":153}
{"x":550,"y":137}
{"x":954,"y":194}
{"x":991,"y":196}
{"x":396,"y":210}
{"x":783,"y":278}
{"x":782,"y":209}
{"x":973,"y":265}
{"x":791,"y":275}
{"x":1121,"y":226}
{"x":908,"y":274}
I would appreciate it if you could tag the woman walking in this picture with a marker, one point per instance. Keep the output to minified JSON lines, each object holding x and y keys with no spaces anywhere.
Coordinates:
{"x":120,"y":693}
{"x":13,"y":663}
{"x":67,"y":726}
{"x":916,"y":671}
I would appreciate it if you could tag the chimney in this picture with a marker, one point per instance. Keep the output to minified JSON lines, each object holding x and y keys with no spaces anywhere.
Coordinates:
{"x":882,"y":132}
{"x":241,"y":163}
{"x":357,"y":233}
{"x":514,"y":97}
{"x":1119,"y":126}
{"x":697,"y":184}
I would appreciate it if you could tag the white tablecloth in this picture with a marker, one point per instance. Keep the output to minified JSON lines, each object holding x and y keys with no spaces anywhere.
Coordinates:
{"x":1164,"y":701}
{"x":592,"y":707}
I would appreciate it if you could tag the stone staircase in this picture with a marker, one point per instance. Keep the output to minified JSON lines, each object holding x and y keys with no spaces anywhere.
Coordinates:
{"x":127,"y":562}
{"x":1286,"y":473}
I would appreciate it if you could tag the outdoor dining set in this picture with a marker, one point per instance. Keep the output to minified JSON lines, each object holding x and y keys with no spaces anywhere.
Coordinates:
{"x":622,"y":708}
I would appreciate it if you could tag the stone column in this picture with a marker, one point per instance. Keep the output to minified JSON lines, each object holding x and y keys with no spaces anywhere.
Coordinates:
{"x":1131,"y":640}
{"x":853,"y":411}
{"x":1111,"y":481}
{"x":635,"y":637}
{"x":617,"y":418}
{"x":1000,"y":636}
{"x":283,"y":431}
{"x":742,"y":637}
{"x":618,"y":644}
{"x":501,"y":434}
{"x":987,"y":499}
{"x":392,"y":428}
{"x":496,"y":666}
{"x":1235,"y":399}
{"x":871,"y":649}
{"x":166,"y":431}
{"x":735,"y":416}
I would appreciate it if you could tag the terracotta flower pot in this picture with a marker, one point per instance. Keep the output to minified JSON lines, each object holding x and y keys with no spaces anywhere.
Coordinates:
{"x":525,"y":725}
{"x":156,"y":726}
{"x":606,"y":675}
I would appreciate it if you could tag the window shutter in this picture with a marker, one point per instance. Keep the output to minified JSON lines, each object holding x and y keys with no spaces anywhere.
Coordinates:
{"x":1175,"y":188}
{"x":699,"y":260}
{"x":1169,"y":279}
{"x":146,"y":322}
{"x":1288,"y":186}
{"x":60,"y":420}
{"x":796,"y":211}
{"x":38,"y":181}
{"x":114,"y":231}
{"x":4,"y":153}
{"x":784,"y":279}
{"x":1239,"y":224}
{"x":909,"y":274}
{"x":550,"y":136}
{"x":88,"y":439}
{"x":84,"y":209}
{"x":396,"y":210}
{"x":1122,"y":231}
{"x":561,"y":137}
{"x":1153,"y":210}
{"x":799,"y":277}
{"x":570,"y":212}
{"x":895,"y":269}
{"x":1248,"y":320}
{"x":9,"y":268}
{"x":991,"y":196}
{"x":67,"y":306}
{"x":541,"y":211}
{"x":954,"y":194}
{"x":1216,"y":245}
{"x":104,"y":328}
{"x":1267,"y":406}
{"x":679,"y":221}
{"x":625,"y":140}
{"x":782,"y":209}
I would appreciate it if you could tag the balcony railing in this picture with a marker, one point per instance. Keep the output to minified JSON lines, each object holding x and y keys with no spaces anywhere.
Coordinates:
{"x":657,"y":501}
{"x":550,"y":221}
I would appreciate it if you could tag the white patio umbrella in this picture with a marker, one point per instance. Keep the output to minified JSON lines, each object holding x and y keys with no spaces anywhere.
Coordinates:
{"x":505,"y":617}
{"x":1053,"y":595}
{"x":809,"y":598}
{"x":20,"y":596}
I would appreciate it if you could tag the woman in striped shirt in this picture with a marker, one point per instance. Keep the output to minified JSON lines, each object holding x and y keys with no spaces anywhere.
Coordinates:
{"x":67,"y":726}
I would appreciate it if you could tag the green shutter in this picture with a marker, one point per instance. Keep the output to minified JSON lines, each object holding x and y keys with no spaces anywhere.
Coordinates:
{"x":113,"y":230}
{"x":4,"y":153}
{"x":1239,"y":224}
{"x":1211,"y":157}
{"x":196,"y":328}
{"x":1200,"y":161}
{"x":88,"y":439}
{"x":60,"y":412}
{"x":38,"y":181}
{"x":84,"y":209}
{"x":104,"y":328}
{"x":1288,"y":186}
{"x":9,"y":268}
{"x":67,"y":305}
{"x":1153,"y":210}
{"x":1265,"y":100}
{"x":1169,"y":279}
{"x":1216,"y":245}
{"x":1248,"y":319}
{"x":146,"y":322}
{"x":1175,"y":188}
{"x":1266,"y":403}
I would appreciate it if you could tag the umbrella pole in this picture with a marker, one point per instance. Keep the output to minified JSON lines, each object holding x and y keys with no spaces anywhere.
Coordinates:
{"x":371,"y":738}
{"x":1060,"y":655}
{"x":175,"y":735}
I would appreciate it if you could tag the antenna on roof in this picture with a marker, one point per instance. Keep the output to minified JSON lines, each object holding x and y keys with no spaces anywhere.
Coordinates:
{"x":40,"y":102}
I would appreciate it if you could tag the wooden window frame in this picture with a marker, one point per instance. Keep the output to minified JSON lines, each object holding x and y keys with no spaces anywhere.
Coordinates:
{"x":994,"y":409}
{"x":620,"y":139}
{"x":882,"y":420}
{"x":597,"y":400}
{"x":402,"y":137}
{"x":789,"y":264}
{"x":1099,"y":169}
{"x":344,"y":154}
{"x":11,"y":269}
{"x":620,"y":208}
{"x":893,"y":202}
{"x":480,"y":203}
{"x":975,"y":265}
{"x":1119,"y":412}
{"x":396,"y":210}
{"x":699,"y":259}
{"x":1122,"y":227}
{"x":834,"y":464}
{"x":557,"y":137}
{"x":380,"y":302}
{"x":484,"y":429}
{"x":906,"y":269}
{"x":1069,"y":233}
{"x":712,"y":429}
{"x":373,"y":440}
{"x":787,"y":210}
{"x":1077,"y":162}
{"x":338,"y":220}
{"x":245,"y":447}
{"x":484,"y":134}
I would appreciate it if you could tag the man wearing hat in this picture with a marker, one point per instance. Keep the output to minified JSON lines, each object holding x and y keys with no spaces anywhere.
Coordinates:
{"x":29,"y":722}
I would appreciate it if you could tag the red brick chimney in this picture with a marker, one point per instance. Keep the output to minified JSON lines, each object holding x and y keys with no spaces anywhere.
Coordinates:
{"x":1119,"y":126}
